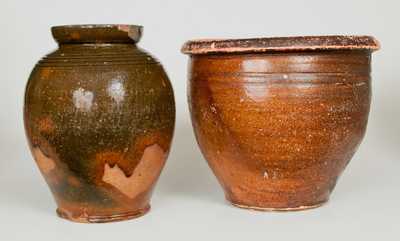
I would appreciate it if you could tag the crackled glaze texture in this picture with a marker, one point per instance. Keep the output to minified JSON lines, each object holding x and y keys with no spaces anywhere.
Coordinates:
{"x":279,"y":123}
{"x":99,"y":116}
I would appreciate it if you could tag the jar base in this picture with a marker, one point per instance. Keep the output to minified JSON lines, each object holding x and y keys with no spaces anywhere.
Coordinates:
{"x":101,"y":218}
{"x":278,"y":209}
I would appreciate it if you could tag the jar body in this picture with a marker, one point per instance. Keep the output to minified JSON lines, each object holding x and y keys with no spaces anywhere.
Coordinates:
{"x":99,"y":120}
{"x":278,"y":129}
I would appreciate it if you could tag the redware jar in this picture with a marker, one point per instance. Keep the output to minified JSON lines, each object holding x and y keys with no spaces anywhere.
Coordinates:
{"x":278,"y":119}
{"x":99,"y":117}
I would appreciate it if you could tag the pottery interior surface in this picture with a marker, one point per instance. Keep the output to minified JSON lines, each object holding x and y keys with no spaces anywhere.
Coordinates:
{"x":99,"y":116}
{"x":278,"y":119}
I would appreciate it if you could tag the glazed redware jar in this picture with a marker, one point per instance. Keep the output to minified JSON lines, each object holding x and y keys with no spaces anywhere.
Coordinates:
{"x":278,"y":119}
{"x":99,"y":117}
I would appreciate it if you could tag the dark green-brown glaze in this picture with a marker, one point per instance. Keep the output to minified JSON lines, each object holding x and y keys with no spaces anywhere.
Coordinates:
{"x":278,"y":119}
{"x":99,"y":116}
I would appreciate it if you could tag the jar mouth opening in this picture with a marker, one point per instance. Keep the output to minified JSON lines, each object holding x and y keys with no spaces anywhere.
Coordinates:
{"x":97,"y":33}
{"x":281,"y":44}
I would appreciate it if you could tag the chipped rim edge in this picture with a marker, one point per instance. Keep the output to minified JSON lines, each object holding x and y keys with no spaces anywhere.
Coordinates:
{"x":281,"y":44}
{"x":94,"y":26}
{"x":89,"y":33}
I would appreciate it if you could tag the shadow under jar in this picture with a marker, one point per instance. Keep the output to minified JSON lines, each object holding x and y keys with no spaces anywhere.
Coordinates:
{"x":99,"y":116}
{"x":278,"y":119}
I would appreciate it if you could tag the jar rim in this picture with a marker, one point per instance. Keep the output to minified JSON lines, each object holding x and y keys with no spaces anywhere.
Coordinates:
{"x":281,"y":44}
{"x":97,"y":33}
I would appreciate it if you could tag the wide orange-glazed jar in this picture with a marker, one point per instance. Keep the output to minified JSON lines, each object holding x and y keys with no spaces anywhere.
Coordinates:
{"x":278,"y":119}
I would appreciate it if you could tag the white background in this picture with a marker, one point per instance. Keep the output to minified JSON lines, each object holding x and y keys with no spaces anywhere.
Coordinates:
{"x":188,"y":203}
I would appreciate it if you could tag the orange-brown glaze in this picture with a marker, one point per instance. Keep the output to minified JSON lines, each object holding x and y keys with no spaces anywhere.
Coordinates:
{"x":81,"y":215}
{"x":129,"y":193}
{"x":46,"y":125}
{"x":278,"y":128}
{"x":144,"y":175}
{"x":46,"y":164}
{"x":74,"y":181}
{"x":46,"y":73}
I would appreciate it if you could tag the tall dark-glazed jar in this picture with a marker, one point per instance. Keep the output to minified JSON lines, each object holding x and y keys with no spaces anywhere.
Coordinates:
{"x":99,"y":115}
{"x":278,"y":119}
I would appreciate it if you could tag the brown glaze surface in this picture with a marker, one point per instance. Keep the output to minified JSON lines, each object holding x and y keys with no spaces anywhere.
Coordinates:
{"x":99,"y":118}
{"x":278,"y":128}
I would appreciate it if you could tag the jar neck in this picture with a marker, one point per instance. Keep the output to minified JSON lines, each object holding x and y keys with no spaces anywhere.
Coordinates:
{"x":96,"y":45}
{"x":94,"y":48}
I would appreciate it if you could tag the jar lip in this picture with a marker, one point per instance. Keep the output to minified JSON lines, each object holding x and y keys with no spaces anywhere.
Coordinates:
{"x":97,"y":33}
{"x":281,"y":44}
